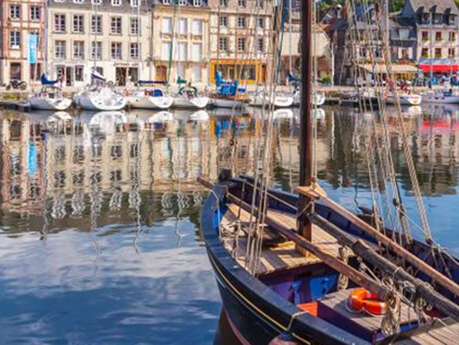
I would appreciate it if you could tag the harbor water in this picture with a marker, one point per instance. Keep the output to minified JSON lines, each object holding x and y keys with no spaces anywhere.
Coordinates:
{"x":99,"y":216}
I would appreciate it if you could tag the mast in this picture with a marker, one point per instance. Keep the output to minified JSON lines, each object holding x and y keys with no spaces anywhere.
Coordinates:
{"x":305,"y":178}
{"x":290,"y":57}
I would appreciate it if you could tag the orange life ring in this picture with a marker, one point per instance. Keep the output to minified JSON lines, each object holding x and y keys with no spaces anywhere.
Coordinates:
{"x":363,"y":300}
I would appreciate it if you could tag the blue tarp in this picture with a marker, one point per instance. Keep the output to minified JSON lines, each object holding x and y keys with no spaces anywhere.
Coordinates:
{"x":45,"y":81}
{"x":32,"y":161}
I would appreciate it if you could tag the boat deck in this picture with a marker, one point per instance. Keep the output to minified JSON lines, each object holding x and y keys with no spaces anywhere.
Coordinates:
{"x":277,"y":254}
{"x":448,"y":335}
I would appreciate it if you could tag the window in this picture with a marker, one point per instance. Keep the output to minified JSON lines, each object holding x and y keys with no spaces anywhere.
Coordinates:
{"x":79,"y":73}
{"x":59,"y":49}
{"x":15,"y":39}
{"x":134,"y":25}
{"x":241,"y":22}
{"x":452,"y":37}
{"x":197,"y":27}
{"x":223,"y":21}
{"x":135,"y":3}
{"x":166,"y":2}
{"x":242,"y":3}
{"x":223,"y":44}
{"x":197,"y":3}
{"x":182,"y":2}
{"x":59,"y":23}
{"x":260,"y":4}
{"x":15,"y":12}
{"x":451,"y":52}
{"x":196,"y":74}
{"x":96,"y":2}
{"x":78,"y":23}
{"x":78,"y":50}
{"x":35,"y":12}
{"x":182,"y":51}
{"x":165,"y":50}
{"x":116,"y":25}
{"x":425,"y":52}
{"x":261,"y":23}
{"x":197,"y":52}
{"x":425,"y":35}
{"x":96,"y":50}
{"x":134,"y":50}
{"x":15,"y":71}
{"x":438,"y":36}
{"x":183,"y":26}
{"x":261,"y":45}
{"x":437,"y":53}
{"x":241,"y":44}
{"x":96,"y":24}
{"x":223,"y":3}
{"x":166,"y":25}
{"x":117,"y":2}
{"x":116,"y":51}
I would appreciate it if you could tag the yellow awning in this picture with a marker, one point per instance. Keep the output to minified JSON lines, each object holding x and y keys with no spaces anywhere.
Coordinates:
{"x":396,"y":68}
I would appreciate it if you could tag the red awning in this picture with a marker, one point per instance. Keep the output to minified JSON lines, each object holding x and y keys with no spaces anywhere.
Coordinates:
{"x":439,"y":68}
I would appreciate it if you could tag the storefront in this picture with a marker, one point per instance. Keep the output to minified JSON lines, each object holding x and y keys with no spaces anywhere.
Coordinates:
{"x":439,"y":66}
{"x":399,"y":71}
{"x":246,"y":71}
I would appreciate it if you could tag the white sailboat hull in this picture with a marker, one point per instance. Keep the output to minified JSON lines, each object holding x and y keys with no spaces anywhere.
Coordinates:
{"x":441,"y":99}
{"x":277,"y":102}
{"x":191,"y":103}
{"x":318,"y":99}
{"x":406,"y":99}
{"x":226,"y":103}
{"x":150,"y":102}
{"x":46,"y":103}
{"x":101,"y":100}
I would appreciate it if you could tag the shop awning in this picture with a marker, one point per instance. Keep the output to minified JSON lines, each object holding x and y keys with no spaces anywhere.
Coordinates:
{"x":396,"y":68}
{"x":438,"y":65}
{"x":440,"y":68}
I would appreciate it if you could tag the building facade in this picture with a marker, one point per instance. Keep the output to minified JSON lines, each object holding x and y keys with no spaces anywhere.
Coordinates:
{"x":18,"y":20}
{"x":111,"y":36}
{"x":437,"y":27}
{"x":240,"y":44}
{"x":181,"y":36}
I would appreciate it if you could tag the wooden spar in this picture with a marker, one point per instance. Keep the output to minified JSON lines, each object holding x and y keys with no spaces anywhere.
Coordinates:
{"x":386,"y":241}
{"x":425,"y":290}
{"x":356,"y":276}
{"x":305,"y":178}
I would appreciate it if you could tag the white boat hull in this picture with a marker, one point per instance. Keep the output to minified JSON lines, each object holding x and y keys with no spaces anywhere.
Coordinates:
{"x":191,"y":103}
{"x":150,"y":102}
{"x":406,"y":99}
{"x":277,"y":102}
{"x":45,"y":103}
{"x":226,"y":103}
{"x":441,"y":99}
{"x":318,"y":99}
{"x":100,"y":100}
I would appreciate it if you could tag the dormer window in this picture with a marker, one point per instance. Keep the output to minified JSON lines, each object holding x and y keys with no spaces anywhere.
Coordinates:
{"x":117,"y":2}
{"x":135,"y":3}
{"x":166,"y":2}
{"x":96,"y":2}
{"x":78,"y":1}
{"x":197,"y":3}
{"x":183,"y":2}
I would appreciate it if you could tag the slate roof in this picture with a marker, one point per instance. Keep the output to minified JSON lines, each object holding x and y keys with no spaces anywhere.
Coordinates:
{"x":440,"y":6}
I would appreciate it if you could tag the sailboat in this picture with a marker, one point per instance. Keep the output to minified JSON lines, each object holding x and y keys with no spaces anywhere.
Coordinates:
{"x":50,"y":97}
{"x":144,"y":97}
{"x":188,"y":97}
{"x":287,"y":265}
{"x":100,"y":96}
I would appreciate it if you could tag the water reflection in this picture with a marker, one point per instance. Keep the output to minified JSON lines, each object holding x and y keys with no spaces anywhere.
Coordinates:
{"x":99,"y":215}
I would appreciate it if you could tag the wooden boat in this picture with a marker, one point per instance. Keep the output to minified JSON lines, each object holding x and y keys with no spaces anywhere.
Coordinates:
{"x":282,"y":279}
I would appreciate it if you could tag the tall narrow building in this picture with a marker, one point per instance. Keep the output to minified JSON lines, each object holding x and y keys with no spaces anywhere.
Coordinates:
{"x":181,"y":29}
{"x":240,"y":32}
{"x":19,"y":20}
{"x":111,"y":36}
